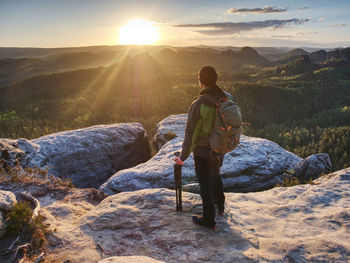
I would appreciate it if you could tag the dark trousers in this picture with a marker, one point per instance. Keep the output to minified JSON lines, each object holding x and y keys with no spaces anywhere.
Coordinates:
{"x":208,"y":174}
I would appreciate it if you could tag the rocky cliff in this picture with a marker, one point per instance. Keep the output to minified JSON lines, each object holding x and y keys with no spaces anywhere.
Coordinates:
{"x":88,"y":156}
{"x":256,"y":164}
{"x":303,"y":223}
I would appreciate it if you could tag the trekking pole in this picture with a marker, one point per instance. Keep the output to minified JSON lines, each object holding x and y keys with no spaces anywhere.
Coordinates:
{"x":177,"y":175}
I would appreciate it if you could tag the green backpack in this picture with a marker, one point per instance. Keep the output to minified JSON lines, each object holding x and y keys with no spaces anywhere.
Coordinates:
{"x":227,"y":127}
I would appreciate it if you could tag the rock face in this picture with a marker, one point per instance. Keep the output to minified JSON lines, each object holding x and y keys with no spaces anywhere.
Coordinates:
{"x":7,"y":200}
{"x":174,"y":124}
{"x":304,"y":223}
{"x":89,"y":156}
{"x":13,"y":152}
{"x":255,"y":165}
{"x":313,"y":166}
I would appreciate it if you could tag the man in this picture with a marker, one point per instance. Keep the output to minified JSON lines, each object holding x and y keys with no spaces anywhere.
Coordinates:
{"x":200,"y":123}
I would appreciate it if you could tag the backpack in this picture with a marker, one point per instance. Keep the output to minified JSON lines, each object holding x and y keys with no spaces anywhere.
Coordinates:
{"x":227,"y":127}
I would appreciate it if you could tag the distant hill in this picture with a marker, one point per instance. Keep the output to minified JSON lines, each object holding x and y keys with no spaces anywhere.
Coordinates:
{"x":194,"y":58}
{"x":282,"y":58}
{"x":15,"y":69}
{"x":60,"y":60}
{"x":301,"y":64}
{"x":297,"y":52}
{"x":130,"y":77}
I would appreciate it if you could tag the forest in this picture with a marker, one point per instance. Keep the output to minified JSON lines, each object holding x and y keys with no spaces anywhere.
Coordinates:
{"x":297,"y":99}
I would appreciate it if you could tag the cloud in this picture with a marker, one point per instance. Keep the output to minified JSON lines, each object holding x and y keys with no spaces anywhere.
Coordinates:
{"x":282,"y":36}
{"x":337,"y":25}
{"x":227,"y":28}
{"x":295,"y":34}
{"x":303,"y":7}
{"x":306,"y":33}
{"x":257,"y":10}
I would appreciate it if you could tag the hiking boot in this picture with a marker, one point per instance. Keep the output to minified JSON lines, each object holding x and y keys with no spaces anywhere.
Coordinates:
{"x":199,"y":220}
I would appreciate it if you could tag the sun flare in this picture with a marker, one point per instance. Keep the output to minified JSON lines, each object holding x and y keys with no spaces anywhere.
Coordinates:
{"x":138,"y":32}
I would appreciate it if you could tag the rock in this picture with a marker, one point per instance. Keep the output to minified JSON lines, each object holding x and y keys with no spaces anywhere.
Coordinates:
{"x":88,"y":156}
{"x":192,"y":188}
{"x":257,"y":164}
{"x":2,"y":225}
{"x":304,"y":223}
{"x":130,"y":259}
{"x":145,"y":223}
{"x":13,"y":152}
{"x":174,"y":124}
{"x":7,"y":200}
{"x":313,"y":166}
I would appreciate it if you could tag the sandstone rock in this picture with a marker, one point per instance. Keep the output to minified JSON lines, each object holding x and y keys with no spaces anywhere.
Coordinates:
{"x":193,"y":188}
{"x":304,"y":223}
{"x":2,"y":225}
{"x":130,"y":259}
{"x":145,"y":223}
{"x":255,"y":165}
{"x":313,"y":166}
{"x":89,"y":156}
{"x":7,"y":200}
{"x":13,"y":152}
{"x":174,"y":124}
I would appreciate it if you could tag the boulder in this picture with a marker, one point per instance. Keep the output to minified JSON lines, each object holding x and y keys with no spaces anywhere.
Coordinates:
{"x":312,"y":167}
{"x":13,"y":152}
{"x":304,"y":223}
{"x":169,"y":128}
{"x":130,"y":259}
{"x":7,"y":200}
{"x":257,"y":164}
{"x":88,"y":156}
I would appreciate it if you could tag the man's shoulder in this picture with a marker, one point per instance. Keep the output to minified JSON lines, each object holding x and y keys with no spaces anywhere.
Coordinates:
{"x":207,"y":99}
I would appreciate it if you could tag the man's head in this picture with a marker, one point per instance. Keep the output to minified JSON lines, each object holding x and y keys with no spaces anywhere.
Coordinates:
{"x":207,"y":76}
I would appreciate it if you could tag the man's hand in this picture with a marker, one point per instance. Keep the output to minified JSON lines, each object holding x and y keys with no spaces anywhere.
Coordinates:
{"x":178,"y":161}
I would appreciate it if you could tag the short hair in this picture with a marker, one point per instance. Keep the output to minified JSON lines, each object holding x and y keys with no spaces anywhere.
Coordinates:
{"x":207,"y":76}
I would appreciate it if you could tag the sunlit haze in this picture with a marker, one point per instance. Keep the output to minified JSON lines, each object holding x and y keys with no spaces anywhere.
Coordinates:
{"x":138,"y":32}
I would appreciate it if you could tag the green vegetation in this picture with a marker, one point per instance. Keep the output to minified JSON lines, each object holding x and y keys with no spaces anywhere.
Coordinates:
{"x":21,"y":222}
{"x":290,"y":179}
{"x":170,"y":135}
{"x":19,"y":217}
{"x":302,"y":104}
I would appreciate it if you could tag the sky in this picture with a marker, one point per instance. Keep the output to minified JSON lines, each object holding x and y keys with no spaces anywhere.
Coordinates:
{"x":67,"y":23}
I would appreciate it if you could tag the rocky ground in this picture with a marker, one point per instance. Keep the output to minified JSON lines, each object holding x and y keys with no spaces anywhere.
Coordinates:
{"x":137,"y":222}
{"x":304,"y":223}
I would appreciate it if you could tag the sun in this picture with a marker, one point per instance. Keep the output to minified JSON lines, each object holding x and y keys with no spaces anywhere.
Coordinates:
{"x":138,"y":32}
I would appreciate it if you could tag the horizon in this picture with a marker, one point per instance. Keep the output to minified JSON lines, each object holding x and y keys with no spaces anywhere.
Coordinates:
{"x":289,"y":48}
{"x":64,"y":24}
